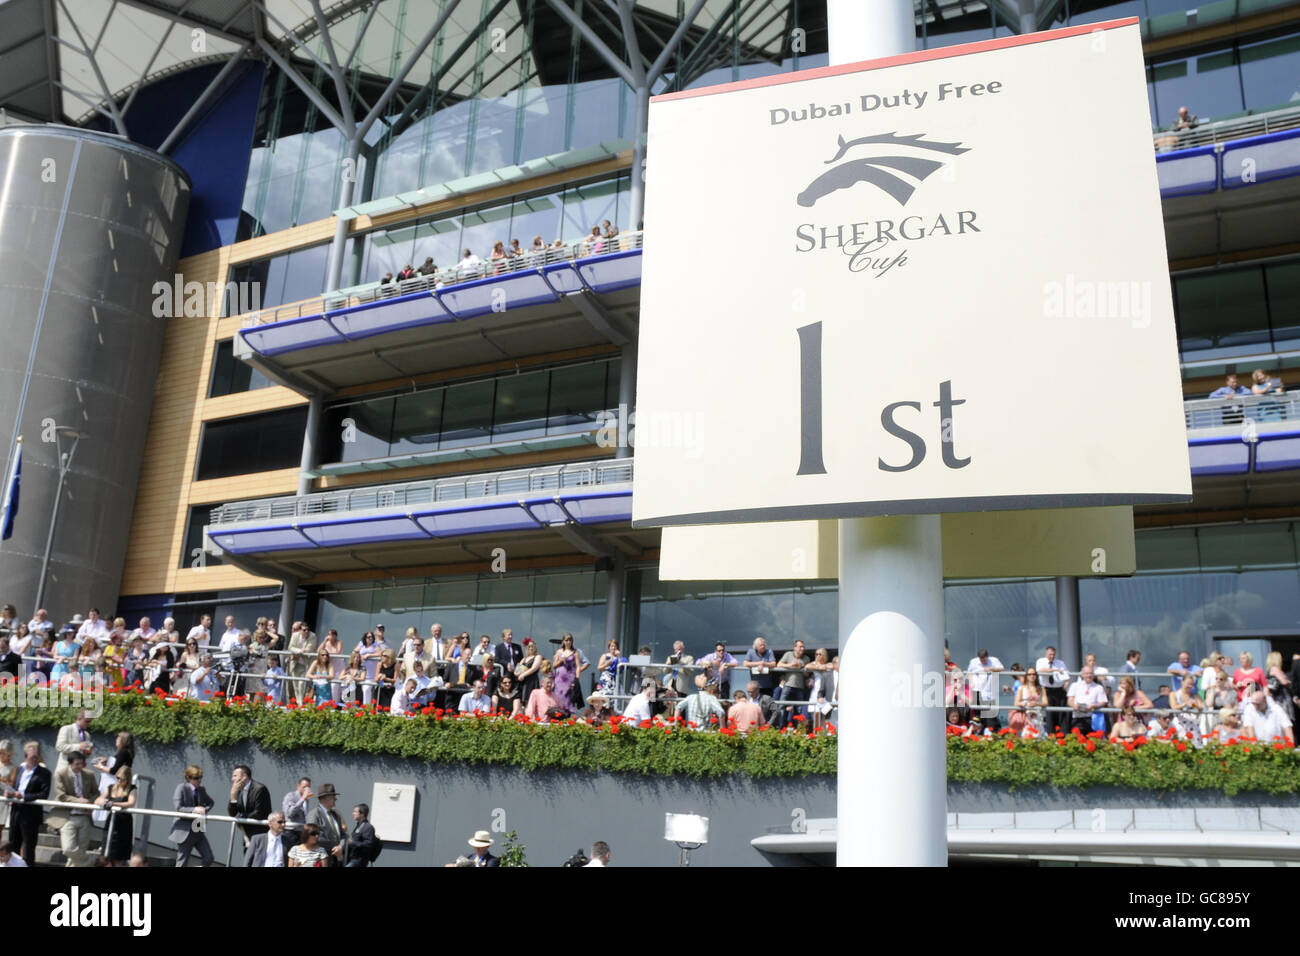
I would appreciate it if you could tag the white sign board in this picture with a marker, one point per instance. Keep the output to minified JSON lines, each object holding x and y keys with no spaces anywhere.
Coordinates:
{"x":928,"y":284}
{"x":392,"y":811}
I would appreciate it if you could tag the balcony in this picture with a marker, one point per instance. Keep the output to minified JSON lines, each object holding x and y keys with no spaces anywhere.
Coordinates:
{"x":563,"y":298}
{"x":558,"y":509}
{"x":1243,"y":435}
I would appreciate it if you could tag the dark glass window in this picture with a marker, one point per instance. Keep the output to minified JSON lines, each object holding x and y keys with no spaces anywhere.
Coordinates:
{"x":252,"y":443}
{"x":1219,"y":310}
{"x":1207,"y":84}
{"x":578,"y":392}
{"x":1283,"y":284}
{"x":192,"y":554}
{"x":467,"y":414}
{"x":1270,"y":73}
{"x":229,"y":375}
{"x":520,"y":407}
{"x":290,"y":277}
{"x":417,"y":423}
{"x":506,"y":408}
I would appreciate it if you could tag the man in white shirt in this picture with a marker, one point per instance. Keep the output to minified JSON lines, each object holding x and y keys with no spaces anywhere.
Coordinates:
{"x":638,"y":708}
{"x":231,"y":637}
{"x":469,"y":261}
{"x":435,"y":642}
{"x":401,"y":705}
{"x":1085,"y":697}
{"x":1101,"y":674}
{"x":984,"y":686}
{"x":201,"y":632}
{"x":476,"y":700}
{"x":8,"y":857}
{"x":203,"y":680}
{"x":94,"y":626}
{"x":41,"y":625}
{"x":1055,"y":678}
{"x":483,"y":649}
{"x":1266,"y":720}
{"x":599,"y":854}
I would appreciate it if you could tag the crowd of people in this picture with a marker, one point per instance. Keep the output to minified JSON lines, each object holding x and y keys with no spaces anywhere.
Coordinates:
{"x":1211,"y":701}
{"x":504,"y":257}
{"x":448,"y":672}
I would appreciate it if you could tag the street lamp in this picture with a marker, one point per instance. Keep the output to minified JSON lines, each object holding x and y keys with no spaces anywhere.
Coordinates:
{"x":689,"y":831}
{"x":65,"y":465}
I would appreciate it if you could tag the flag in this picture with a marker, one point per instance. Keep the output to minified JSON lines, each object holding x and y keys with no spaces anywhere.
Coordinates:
{"x":10,"y":508}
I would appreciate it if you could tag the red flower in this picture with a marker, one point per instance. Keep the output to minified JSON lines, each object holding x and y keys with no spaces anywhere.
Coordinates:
{"x":1090,"y":746}
{"x":1129,"y":746}
{"x":1011,"y":745}
{"x":1180,"y":746}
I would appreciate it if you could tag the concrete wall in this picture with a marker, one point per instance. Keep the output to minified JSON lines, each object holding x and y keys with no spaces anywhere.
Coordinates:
{"x":555,"y":813}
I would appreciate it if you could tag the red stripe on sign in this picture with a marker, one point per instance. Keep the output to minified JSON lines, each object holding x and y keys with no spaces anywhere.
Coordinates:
{"x":920,"y":56}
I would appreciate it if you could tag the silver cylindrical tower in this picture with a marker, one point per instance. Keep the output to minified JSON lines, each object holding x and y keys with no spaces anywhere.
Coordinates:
{"x":88,"y":224}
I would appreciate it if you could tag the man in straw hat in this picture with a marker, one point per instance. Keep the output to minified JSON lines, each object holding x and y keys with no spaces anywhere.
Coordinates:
{"x":480,"y":841}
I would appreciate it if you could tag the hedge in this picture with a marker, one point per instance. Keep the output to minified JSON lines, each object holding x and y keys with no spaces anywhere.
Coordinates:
{"x":439,"y":737}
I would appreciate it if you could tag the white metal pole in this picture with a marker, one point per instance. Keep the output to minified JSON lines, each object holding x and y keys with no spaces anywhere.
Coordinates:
{"x":892,"y":786}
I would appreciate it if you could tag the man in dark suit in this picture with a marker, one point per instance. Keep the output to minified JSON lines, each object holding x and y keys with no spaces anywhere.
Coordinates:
{"x":248,"y":799}
{"x":333,"y":831}
{"x":33,"y":782}
{"x":361,"y":844}
{"x":508,"y":653}
{"x":764,"y":701}
{"x":191,"y":835}
{"x":271,"y":847}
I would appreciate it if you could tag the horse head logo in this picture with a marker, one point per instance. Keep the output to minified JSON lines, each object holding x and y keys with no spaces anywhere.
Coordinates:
{"x":876,"y":169}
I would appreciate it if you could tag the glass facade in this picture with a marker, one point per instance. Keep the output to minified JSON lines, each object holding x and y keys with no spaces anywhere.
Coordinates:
{"x":1239,"y":310}
{"x":509,"y":407}
{"x":1235,"y":78}
{"x":288,"y":277}
{"x":231,"y":376}
{"x":192,"y":553}
{"x":538,"y":605}
{"x":251,"y":443}
{"x":567,"y":213}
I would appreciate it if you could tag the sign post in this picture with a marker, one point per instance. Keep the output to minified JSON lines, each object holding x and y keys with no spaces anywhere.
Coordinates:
{"x":929,"y":303}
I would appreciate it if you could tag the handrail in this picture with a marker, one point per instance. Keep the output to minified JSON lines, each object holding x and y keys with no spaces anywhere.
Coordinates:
{"x":1207,"y":132}
{"x":449,"y":277}
{"x":1237,"y":410}
{"x":427,"y":491}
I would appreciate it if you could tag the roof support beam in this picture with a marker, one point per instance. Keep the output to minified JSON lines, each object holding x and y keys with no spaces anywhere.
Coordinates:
{"x":615,"y":62}
{"x":335,"y":71}
{"x":114,"y":112}
{"x":204,"y":98}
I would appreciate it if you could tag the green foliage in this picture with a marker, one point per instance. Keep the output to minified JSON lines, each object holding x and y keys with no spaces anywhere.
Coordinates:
{"x":673,"y":751}
{"x":512,"y":851}
{"x":1243,"y":767}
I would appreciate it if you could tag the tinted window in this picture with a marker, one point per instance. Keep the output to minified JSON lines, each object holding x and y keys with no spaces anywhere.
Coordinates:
{"x":252,"y":443}
{"x":229,"y":375}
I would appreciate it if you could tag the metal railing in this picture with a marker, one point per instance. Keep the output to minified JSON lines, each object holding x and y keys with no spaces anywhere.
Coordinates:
{"x":147,"y":812}
{"x":446,"y":278}
{"x":428,"y":491}
{"x":1236,"y":410}
{"x":1206,"y":132}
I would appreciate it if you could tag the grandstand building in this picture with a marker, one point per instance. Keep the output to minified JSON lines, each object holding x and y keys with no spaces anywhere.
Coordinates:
{"x":263,"y":427}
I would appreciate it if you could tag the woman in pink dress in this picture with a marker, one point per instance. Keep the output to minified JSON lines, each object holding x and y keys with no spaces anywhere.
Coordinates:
{"x":1248,"y":678}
